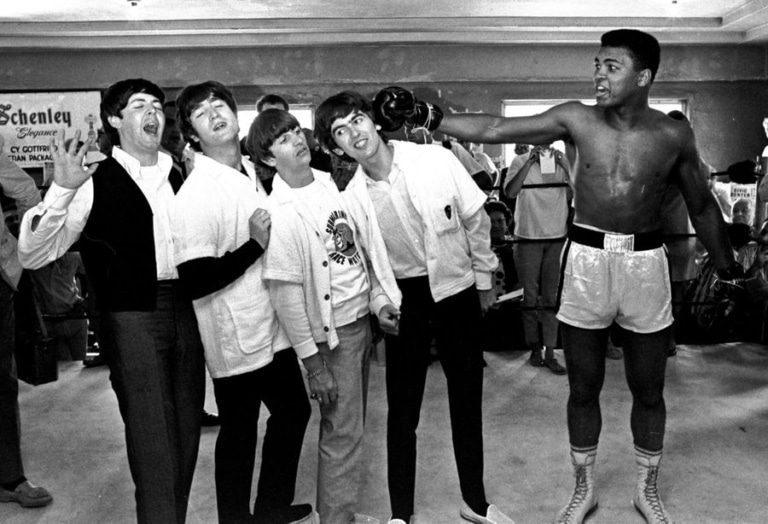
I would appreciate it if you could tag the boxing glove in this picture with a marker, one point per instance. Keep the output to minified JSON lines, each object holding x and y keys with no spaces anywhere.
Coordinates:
{"x":744,"y":172}
{"x":394,"y":106}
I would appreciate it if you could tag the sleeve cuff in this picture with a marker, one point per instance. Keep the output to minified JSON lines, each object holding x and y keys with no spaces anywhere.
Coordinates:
{"x":305,"y":349}
{"x":378,"y":302}
{"x":483,"y":280}
{"x":58,"y":197}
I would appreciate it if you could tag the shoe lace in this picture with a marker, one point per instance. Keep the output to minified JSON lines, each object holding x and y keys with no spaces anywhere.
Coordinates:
{"x":579,"y":495}
{"x":651,"y":495}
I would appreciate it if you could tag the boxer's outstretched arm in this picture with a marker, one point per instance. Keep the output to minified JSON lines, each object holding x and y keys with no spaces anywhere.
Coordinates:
{"x":543,"y":128}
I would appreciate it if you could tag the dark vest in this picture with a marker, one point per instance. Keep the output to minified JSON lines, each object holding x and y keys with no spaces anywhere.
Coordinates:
{"x":117,"y":243}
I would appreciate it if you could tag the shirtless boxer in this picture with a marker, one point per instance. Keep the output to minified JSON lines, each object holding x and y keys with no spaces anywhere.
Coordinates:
{"x":623,"y":156}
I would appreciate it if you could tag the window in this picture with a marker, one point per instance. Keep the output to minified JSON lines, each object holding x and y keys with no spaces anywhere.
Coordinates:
{"x":304,"y":113}
{"x":533,"y":107}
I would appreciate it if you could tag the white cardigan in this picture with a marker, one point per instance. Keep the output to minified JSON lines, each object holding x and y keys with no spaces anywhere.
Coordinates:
{"x":297,"y":255}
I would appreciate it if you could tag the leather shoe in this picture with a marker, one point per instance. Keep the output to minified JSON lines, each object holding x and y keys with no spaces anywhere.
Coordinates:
{"x":535,"y":359}
{"x":493,"y":515}
{"x":27,"y":495}
{"x":360,"y":518}
{"x":209,"y":419}
{"x":295,"y":514}
{"x":93,"y":361}
{"x":554,"y":366}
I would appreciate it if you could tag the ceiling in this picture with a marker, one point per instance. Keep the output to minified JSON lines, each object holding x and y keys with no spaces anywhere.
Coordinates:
{"x":152,"y":24}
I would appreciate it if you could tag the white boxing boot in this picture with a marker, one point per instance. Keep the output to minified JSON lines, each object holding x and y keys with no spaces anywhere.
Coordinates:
{"x":647,"y":500}
{"x":584,"y":500}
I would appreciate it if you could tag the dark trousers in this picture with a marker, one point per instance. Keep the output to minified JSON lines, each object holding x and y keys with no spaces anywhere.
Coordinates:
{"x":645,"y":360}
{"x":455,"y":323}
{"x":156,"y":365}
{"x":281,"y":387}
{"x":11,"y":468}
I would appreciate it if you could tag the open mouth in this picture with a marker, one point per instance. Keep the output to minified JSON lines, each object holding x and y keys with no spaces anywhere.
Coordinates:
{"x":219,"y":126}
{"x":361,"y":143}
{"x":601,"y":90}
{"x":151,"y":128}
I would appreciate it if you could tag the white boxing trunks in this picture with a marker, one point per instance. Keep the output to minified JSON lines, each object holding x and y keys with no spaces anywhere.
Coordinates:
{"x":609,"y":276}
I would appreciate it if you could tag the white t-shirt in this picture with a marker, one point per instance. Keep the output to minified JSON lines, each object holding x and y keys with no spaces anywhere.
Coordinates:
{"x":349,"y":283}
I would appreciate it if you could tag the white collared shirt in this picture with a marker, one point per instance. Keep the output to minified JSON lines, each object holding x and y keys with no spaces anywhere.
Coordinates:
{"x":400,"y":223}
{"x":64,"y":212}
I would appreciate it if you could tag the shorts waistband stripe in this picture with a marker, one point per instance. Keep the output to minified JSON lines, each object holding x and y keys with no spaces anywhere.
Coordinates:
{"x":589,"y":237}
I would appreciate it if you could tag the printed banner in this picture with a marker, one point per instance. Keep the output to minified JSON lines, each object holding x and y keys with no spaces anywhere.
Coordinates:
{"x":748,"y":191}
{"x":28,"y":121}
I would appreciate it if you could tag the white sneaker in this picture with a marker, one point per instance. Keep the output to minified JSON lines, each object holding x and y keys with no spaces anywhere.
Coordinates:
{"x":493,"y":515}
{"x":359,"y":518}
{"x":312,"y":518}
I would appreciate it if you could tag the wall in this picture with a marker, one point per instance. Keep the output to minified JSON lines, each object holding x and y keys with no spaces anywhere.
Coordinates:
{"x":727,"y":86}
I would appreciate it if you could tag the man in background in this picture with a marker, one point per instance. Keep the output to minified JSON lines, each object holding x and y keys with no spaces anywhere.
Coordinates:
{"x":539,"y":180}
{"x":14,"y":486}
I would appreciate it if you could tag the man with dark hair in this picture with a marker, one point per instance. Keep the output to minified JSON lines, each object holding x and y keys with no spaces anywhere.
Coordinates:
{"x":173,"y":143}
{"x":220,"y":231}
{"x":320,"y":159}
{"x":271,"y":101}
{"x":624,"y":157}
{"x":327,"y":270}
{"x":119,"y":210}
{"x":436,"y":231}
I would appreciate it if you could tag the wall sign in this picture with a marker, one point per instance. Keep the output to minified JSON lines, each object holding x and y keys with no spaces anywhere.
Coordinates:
{"x":28,"y":121}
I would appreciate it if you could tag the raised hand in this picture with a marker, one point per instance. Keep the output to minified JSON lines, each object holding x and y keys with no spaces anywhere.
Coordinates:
{"x":68,"y":169}
{"x":536,"y":153}
{"x":560,"y":159}
{"x":259,"y":224}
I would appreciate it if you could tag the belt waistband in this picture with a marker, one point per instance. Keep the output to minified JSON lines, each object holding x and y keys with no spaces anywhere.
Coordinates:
{"x":616,"y":242}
